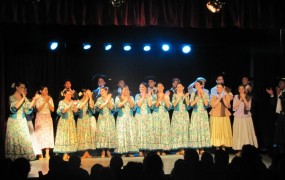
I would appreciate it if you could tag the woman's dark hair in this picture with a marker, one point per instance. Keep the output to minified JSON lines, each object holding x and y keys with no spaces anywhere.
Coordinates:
{"x":247,"y":97}
{"x":144,"y":84}
{"x":82,"y":91}
{"x":241,"y":85}
{"x":177,"y":85}
{"x":66,"y":90}
{"x":160,"y":83}
{"x":180,"y":83}
{"x":16,"y":84}
{"x":105,"y":88}
{"x":196,"y":92}
{"x":41,"y":88}
{"x":125,"y":86}
{"x":220,"y":84}
{"x":200,"y":82}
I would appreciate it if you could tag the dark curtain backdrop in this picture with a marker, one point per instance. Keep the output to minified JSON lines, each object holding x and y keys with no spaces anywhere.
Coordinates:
{"x":171,"y":13}
{"x":2,"y":95}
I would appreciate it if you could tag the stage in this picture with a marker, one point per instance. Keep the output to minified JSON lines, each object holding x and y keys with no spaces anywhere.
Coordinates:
{"x":168,"y":162}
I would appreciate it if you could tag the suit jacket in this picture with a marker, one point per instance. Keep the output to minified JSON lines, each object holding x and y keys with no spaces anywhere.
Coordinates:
{"x":116,"y":93}
{"x":273,"y":101}
{"x":96,"y":94}
{"x":221,"y":109}
{"x":172,"y":91}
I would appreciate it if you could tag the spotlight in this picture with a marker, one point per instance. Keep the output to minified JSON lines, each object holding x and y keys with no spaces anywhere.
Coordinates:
{"x":117,"y":3}
{"x":108,"y":47}
{"x":186,"y":49}
{"x":146,"y":48}
{"x":165,"y":47}
{"x":127,"y":47}
{"x":53,"y":45}
{"x":86,"y":46}
{"x":215,"y":5}
{"x":35,"y":2}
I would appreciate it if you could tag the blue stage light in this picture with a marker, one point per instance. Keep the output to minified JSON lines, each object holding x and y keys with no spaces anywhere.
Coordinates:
{"x":186,"y":49}
{"x":165,"y":47}
{"x":146,"y":48}
{"x":127,"y":47}
{"x":53,"y":45}
{"x":108,"y":47}
{"x":86,"y":46}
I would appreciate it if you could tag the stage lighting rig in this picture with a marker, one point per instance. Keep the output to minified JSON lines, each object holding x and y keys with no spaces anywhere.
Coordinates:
{"x":117,"y":3}
{"x":215,"y":5}
{"x":35,"y":2}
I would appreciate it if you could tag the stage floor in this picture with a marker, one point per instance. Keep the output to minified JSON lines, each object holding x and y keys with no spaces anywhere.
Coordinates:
{"x":168,"y":162}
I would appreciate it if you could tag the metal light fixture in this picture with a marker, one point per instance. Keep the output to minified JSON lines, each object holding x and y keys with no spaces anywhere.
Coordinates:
{"x":215,"y":5}
{"x":35,"y":2}
{"x":117,"y":3}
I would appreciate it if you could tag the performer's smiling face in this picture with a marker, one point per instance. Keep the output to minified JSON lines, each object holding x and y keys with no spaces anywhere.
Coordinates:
{"x":68,"y":95}
{"x":220,"y":88}
{"x":103,"y":92}
{"x":180,"y":88}
{"x":44,"y":92}
{"x":198,"y":85}
{"x":143,"y":88}
{"x":125,"y":91}
{"x":21,"y":88}
{"x":241,"y":89}
{"x":160,"y":87}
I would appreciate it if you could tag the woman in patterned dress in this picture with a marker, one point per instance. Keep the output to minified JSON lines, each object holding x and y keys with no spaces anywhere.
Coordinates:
{"x":161,"y":120}
{"x":221,"y":130}
{"x":125,"y":105}
{"x":43,"y":122}
{"x":30,"y":117}
{"x":180,"y":120}
{"x":199,"y":129}
{"x":66,"y":138}
{"x":143,"y":120}
{"x":243,"y":129}
{"x":86,"y":123}
{"x":18,"y":141}
{"x":106,"y":129}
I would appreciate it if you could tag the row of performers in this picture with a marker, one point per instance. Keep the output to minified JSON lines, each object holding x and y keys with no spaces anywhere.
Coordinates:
{"x":149,"y":128}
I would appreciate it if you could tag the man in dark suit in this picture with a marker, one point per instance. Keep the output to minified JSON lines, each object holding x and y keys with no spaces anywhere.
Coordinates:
{"x":67,"y":86}
{"x":101,"y":82}
{"x":151,"y":82}
{"x":117,"y":92}
{"x":278,"y":100}
{"x":172,"y":90}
